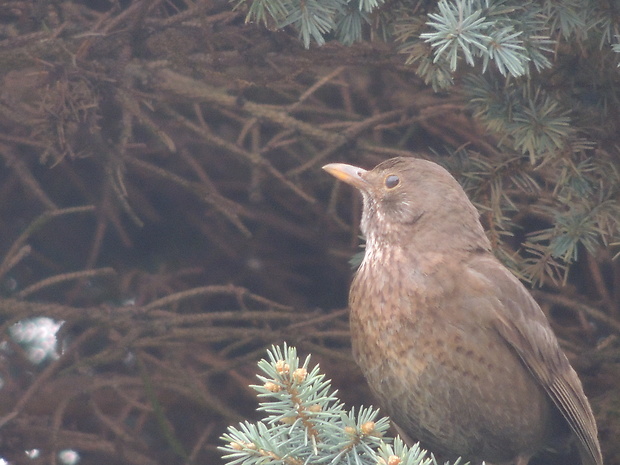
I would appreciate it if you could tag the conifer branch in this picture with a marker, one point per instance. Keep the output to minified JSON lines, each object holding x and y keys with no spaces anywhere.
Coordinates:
{"x":306,"y":423}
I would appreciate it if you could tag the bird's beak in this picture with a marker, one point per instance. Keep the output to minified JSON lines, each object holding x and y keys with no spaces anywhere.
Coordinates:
{"x":349,"y":174}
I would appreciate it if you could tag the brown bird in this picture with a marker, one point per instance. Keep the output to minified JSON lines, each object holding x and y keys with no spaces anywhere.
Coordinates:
{"x":452,"y":344}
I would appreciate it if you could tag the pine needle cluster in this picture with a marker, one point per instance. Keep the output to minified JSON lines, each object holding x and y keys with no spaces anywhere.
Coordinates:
{"x":306,"y":423}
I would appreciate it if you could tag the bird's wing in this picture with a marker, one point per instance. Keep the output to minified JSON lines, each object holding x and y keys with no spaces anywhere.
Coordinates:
{"x":524,"y":326}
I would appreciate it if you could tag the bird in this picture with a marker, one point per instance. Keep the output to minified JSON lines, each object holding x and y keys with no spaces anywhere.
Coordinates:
{"x":453,"y":346}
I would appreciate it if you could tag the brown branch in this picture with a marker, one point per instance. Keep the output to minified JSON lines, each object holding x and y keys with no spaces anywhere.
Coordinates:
{"x":43,"y":377}
{"x":225,"y":206}
{"x":579,"y":308}
{"x":28,"y":180}
{"x":36,"y":435}
{"x":599,"y":284}
{"x":194,"y":90}
{"x":354,"y":130}
{"x":231,"y":147}
{"x":18,"y":249}
{"x":63,"y":278}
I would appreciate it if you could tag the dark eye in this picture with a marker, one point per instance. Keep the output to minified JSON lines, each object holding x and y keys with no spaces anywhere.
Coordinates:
{"x":392,"y":181}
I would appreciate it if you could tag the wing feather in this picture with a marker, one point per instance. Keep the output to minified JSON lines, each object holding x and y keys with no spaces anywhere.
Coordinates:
{"x":524,"y":326}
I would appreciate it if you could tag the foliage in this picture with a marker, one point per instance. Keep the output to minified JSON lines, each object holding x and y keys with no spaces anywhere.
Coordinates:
{"x":306,"y":423}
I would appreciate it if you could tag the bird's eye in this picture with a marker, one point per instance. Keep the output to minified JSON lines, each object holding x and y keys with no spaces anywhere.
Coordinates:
{"x":392,"y":181}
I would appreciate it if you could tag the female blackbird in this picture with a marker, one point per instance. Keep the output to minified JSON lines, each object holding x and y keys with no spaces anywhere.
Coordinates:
{"x":452,"y":344}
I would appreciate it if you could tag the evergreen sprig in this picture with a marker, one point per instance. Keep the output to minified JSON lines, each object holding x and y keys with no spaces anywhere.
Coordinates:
{"x":306,"y":423}
{"x":312,"y":18}
{"x":527,"y":118}
{"x":458,"y":29}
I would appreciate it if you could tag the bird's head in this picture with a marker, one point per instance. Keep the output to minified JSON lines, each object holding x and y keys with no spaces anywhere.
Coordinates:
{"x":413,"y":202}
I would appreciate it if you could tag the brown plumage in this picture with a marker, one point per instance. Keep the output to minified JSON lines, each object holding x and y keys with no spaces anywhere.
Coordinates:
{"x":455,"y":348}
